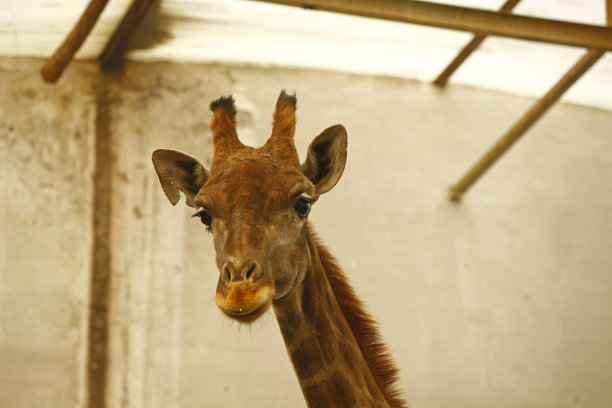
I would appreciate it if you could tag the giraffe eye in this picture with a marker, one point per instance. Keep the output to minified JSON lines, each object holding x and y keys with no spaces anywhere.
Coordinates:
{"x":205,"y":217}
{"x":302,"y":206}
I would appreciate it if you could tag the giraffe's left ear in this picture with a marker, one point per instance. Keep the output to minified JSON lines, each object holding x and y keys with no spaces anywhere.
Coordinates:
{"x":178,"y":171}
{"x":326,"y":158}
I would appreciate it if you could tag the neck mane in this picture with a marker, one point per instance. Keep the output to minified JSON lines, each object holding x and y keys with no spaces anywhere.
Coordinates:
{"x":326,"y":295}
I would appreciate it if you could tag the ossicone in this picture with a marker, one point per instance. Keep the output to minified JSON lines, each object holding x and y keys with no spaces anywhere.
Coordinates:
{"x":223,"y":126}
{"x":283,"y":128}
{"x":284,"y":97}
{"x":225,"y":102}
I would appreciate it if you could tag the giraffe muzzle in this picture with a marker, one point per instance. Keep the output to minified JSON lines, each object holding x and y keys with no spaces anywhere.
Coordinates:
{"x":244,"y":292}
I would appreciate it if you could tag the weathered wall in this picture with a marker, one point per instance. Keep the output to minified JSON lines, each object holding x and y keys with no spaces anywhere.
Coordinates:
{"x":46,"y":165}
{"x":502,"y":301}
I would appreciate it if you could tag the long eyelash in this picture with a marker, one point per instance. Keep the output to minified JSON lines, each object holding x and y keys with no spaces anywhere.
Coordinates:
{"x":198,"y":214}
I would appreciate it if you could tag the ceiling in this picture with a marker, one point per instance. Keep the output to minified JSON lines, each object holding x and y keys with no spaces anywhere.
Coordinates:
{"x":239,"y":32}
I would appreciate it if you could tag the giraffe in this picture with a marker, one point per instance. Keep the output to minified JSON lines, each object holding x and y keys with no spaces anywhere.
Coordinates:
{"x":255,"y":203}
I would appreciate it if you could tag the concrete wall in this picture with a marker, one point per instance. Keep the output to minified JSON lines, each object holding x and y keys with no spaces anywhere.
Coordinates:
{"x":502,"y":301}
{"x":46,"y":164}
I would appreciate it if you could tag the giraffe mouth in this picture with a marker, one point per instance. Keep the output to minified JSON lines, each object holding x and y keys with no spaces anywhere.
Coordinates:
{"x":244,"y":305}
{"x":248,"y":316}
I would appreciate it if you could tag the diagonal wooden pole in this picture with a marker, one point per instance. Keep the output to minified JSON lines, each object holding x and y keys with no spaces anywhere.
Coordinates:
{"x":54,"y":66}
{"x":116,"y":47}
{"x":469,"y":48}
{"x":520,"y":127}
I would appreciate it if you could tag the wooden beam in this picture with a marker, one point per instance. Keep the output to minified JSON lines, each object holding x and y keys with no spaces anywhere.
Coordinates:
{"x":520,"y":127}
{"x":54,"y":66}
{"x":467,"y":19}
{"x":609,"y":12}
{"x":116,"y":47}
{"x":469,"y":48}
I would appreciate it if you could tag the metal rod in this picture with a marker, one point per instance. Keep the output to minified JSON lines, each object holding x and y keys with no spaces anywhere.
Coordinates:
{"x":467,"y":19}
{"x":116,"y":47}
{"x":520,"y":127}
{"x":469,"y":48}
{"x":54,"y":66}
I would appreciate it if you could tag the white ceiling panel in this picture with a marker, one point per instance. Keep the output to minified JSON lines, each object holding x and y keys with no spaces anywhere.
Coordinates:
{"x":238,"y":31}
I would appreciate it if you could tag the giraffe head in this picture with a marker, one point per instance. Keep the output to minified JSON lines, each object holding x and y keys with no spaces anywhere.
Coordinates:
{"x":255,"y":203}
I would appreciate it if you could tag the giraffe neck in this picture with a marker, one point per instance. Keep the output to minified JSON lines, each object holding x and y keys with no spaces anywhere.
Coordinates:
{"x":330,"y":367}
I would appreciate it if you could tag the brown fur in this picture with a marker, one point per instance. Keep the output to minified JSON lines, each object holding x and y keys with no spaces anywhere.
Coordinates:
{"x":284,"y":122}
{"x":364,"y":328}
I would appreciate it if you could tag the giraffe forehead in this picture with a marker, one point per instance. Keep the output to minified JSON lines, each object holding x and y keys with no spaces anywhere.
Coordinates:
{"x":253,"y":179}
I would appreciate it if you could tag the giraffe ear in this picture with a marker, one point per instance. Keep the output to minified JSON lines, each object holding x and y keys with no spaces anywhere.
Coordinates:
{"x":326,"y":158}
{"x":178,"y":171}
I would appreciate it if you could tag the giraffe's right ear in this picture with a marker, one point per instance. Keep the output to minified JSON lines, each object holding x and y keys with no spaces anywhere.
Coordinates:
{"x":178,"y":171}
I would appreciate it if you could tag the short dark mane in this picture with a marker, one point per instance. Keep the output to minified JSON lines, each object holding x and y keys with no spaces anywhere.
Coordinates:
{"x":364,"y":327}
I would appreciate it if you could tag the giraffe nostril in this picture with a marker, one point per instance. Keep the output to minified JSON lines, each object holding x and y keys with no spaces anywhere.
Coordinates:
{"x":226,"y":276}
{"x":253,"y":271}
{"x":250,"y":271}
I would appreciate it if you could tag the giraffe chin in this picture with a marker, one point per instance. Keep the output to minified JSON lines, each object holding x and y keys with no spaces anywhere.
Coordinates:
{"x":244,"y":305}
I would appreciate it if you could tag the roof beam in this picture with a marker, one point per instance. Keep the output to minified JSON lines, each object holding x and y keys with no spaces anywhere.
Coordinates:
{"x":531,"y":116}
{"x":54,"y":66}
{"x":114,"y":51}
{"x":468,"y":19}
{"x":469,"y":48}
